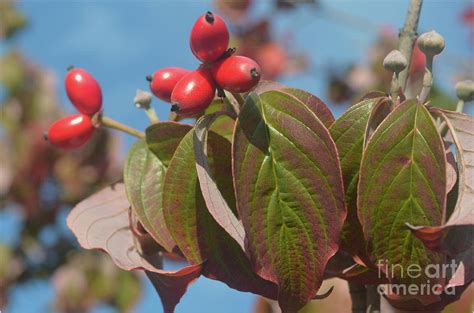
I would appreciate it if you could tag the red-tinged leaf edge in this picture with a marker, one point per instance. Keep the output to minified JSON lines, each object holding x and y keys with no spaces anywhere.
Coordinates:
{"x":457,"y":234}
{"x":391,"y":152}
{"x":102,"y":222}
{"x":215,"y":202}
{"x":319,"y":108}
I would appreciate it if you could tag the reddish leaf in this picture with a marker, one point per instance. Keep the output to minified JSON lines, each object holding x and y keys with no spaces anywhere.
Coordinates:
{"x":215,"y":202}
{"x":194,"y":229}
{"x":456,"y":235}
{"x":402,"y":179}
{"x":102,"y":222}
{"x":319,"y":108}
{"x":289,"y":193}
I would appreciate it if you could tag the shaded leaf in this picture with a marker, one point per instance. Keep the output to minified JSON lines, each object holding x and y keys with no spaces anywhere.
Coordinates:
{"x":289,"y":193}
{"x":102,"y":222}
{"x":194,"y":229}
{"x":457,"y":234}
{"x":348,"y":134}
{"x":163,"y":138}
{"x":379,"y":112}
{"x":402,"y":179}
{"x":143,"y":175}
{"x":215,"y":201}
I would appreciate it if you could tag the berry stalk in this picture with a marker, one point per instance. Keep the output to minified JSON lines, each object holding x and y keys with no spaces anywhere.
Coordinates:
{"x":110,"y":123}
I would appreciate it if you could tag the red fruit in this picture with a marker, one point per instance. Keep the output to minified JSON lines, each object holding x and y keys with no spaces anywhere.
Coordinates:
{"x":70,"y":131}
{"x":193,"y":93}
{"x":163,"y":81}
{"x":236,"y":73}
{"x":209,"y":37}
{"x":83,"y":91}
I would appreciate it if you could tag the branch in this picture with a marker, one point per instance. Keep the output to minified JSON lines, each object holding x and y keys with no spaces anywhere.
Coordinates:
{"x":408,"y":36}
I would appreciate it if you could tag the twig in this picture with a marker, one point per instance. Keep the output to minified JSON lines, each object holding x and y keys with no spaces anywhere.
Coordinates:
{"x":108,"y":122}
{"x":408,"y":36}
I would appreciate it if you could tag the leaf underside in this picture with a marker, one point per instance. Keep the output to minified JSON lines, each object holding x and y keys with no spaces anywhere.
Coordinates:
{"x":102,"y":222}
{"x":289,"y":193}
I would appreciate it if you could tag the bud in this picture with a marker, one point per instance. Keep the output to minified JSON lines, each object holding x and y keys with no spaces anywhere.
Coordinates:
{"x":142,"y":99}
{"x":431,"y":43}
{"x":395,"y":61}
{"x":465,"y":90}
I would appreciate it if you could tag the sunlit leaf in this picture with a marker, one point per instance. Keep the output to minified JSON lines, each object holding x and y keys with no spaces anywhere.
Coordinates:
{"x":402,"y":179}
{"x":289,"y":193}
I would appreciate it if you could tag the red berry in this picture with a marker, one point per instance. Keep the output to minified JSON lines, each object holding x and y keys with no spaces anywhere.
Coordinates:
{"x":236,"y":73}
{"x":209,"y":37}
{"x":83,"y":91}
{"x":193,"y":93}
{"x":70,"y":131}
{"x":163,"y":81}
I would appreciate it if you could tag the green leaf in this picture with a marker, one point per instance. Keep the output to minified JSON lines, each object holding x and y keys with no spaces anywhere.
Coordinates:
{"x":289,"y":193}
{"x":196,"y":233}
{"x":402,"y":180}
{"x":216,"y":203}
{"x":144,"y":173}
{"x":348,"y":133}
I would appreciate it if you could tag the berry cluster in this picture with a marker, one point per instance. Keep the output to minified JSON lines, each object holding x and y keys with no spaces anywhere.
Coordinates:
{"x":191,"y":92}
{"x":74,"y":130}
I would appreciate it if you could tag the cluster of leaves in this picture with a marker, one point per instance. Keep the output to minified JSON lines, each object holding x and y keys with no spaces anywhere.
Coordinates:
{"x":268,"y":197}
{"x":38,"y":184}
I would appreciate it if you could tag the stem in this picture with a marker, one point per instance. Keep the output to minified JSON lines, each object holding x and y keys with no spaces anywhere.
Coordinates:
{"x":358,"y":297}
{"x":408,"y":36}
{"x":238,"y":97}
{"x":395,"y":86}
{"x":232,"y":103}
{"x":151,"y":113}
{"x":108,"y":122}
{"x":373,"y":299}
{"x":427,"y":79}
{"x":460,"y":106}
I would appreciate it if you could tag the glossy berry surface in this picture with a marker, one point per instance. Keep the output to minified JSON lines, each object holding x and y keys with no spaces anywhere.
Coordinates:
{"x":209,"y":37}
{"x":164,"y":80}
{"x":71,"y":131}
{"x":193,"y":93}
{"x":236,"y":73}
{"x":84,"y":91}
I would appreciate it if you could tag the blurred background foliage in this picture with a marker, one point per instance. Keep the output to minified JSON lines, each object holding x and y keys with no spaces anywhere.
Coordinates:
{"x":41,"y":184}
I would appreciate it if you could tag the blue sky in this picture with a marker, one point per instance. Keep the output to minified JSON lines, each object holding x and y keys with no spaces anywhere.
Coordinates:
{"x":121,"y":42}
